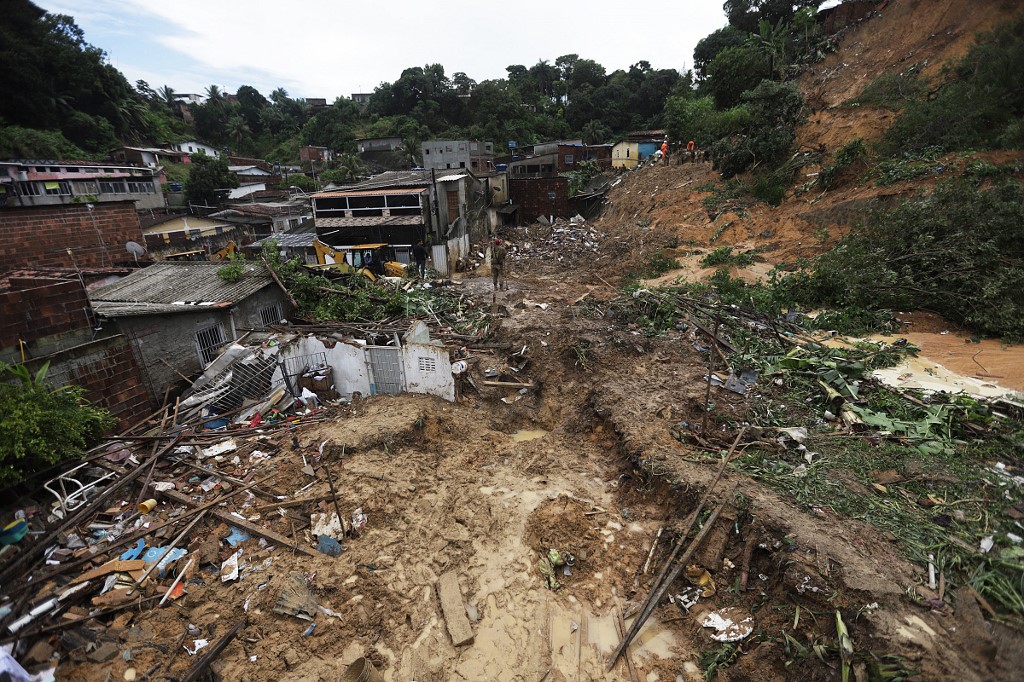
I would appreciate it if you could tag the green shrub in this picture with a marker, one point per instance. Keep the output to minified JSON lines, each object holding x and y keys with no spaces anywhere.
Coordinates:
{"x":979,"y":107}
{"x":892,"y":90}
{"x":724,"y":256}
{"x":850,"y":153}
{"x":957,"y":252}
{"x":42,"y":427}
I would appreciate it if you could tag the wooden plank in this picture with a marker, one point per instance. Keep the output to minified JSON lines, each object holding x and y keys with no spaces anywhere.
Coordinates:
{"x":288,"y":504}
{"x":248,"y":527}
{"x":507,"y":384}
{"x":115,"y":566}
{"x":454,"y":609}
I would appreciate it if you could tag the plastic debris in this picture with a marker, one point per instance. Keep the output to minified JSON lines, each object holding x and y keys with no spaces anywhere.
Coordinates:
{"x":328,"y":545}
{"x":229,"y":569}
{"x":237,"y":537}
{"x":731,"y":624}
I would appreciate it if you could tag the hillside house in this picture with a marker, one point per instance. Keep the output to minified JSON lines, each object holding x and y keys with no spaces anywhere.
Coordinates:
{"x":180,"y":314}
{"x":46,"y":183}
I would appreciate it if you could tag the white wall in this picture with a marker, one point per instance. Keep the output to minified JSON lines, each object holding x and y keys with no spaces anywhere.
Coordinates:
{"x":428,"y":370}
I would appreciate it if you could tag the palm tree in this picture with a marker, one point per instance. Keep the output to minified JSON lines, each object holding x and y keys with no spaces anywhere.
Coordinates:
{"x":350,"y":168}
{"x":237,"y":130}
{"x":214,"y":96}
{"x":168,"y":95}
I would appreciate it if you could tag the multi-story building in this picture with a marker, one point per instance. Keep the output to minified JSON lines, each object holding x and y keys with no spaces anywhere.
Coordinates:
{"x":42,"y":183}
{"x":450,"y":154}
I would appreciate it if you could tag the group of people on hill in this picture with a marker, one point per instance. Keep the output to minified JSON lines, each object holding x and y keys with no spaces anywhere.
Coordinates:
{"x":691,"y":153}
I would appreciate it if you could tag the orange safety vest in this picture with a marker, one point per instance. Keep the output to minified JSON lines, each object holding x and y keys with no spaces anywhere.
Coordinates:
{"x":690,"y":146}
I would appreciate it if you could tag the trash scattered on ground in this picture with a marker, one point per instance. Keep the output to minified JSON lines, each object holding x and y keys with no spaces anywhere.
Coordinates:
{"x":731,"y":624}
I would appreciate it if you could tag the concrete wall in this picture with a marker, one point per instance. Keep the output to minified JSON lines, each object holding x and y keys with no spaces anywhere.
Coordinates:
{"x":350,"y":372}
{"x":39,"y":236}
{"x":624,"y":155}
{"x":108,"y":371}
{"x":168,"y":339}
{"x":428,"y":369}
{"x":43,"y":313}
{"x":164,"y":340}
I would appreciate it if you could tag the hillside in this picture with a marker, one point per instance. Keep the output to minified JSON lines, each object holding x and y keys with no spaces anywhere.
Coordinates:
{"x":687,"y":202}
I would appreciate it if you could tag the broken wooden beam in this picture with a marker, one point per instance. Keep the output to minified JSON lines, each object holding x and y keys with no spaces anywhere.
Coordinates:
{"x":237,"y":521}
{"x":454,"y":609}
{"x":508,"y":384}
{"x":196,"y":671}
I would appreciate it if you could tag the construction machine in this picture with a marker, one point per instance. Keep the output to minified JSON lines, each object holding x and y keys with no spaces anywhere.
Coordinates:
{"x":369,"y":260}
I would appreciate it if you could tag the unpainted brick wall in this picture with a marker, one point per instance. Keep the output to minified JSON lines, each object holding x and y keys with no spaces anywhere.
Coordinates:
{"x":533,"y":197}
{"x":37,"y":308}
{"x":39,"y":237}
{"x":107,"y":370}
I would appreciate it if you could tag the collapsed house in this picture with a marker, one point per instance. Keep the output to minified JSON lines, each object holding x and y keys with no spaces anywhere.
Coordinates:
{"x":180,"y":314}
{"x":266,"y":371}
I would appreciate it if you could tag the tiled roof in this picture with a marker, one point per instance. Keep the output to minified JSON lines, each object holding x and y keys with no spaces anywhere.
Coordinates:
{"x":171,"y":287}
{"x":368,"y":192}
{"x":370,"y":221}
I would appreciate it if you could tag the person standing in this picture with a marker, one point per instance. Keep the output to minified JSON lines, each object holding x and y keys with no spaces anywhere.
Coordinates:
{"x":419,"y":254}
{"x":664,"y":151}
{"x":691,"y":151}
{"x":498,"y":253}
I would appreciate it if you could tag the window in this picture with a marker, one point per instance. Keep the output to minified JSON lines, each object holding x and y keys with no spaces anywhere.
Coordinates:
{"x":208,"y":341}
{"x":568,"y":159}
{"x":426,"y":151}
{"x":57,"y":188}
{"x":271,"y":314}
{"x":462,"y":164}
{"x":426,"y":364}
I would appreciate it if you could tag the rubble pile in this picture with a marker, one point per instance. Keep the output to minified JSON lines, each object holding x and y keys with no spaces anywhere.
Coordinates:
{"x":561,"y":243}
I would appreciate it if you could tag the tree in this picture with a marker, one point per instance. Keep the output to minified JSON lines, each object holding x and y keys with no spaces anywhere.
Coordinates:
{"x":709,"y":47}
{"x":168,"y":95}
{"x":209,"y":180}
{"x":734,"y":71}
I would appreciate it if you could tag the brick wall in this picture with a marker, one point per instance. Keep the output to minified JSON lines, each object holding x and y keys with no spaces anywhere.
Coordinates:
{"x":44,"y":313}
{"x":540,"y":196}
{"x":39,"y":237}
{"x":109,"y":373}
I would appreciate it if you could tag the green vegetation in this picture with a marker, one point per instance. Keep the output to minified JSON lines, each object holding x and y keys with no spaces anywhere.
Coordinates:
{"x":40,"y":426}
{"x":850,"y":154}
{"x":356,"y":299}
{"x":723,"y":255}
{"x":209,"y":180}
{"x":978,"y":107}
{"x":234,"y":269}
{"x":957,"y":252}
{"x":892,"y":91}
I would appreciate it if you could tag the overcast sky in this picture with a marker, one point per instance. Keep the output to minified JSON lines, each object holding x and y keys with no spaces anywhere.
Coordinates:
{"x":324,"y":48}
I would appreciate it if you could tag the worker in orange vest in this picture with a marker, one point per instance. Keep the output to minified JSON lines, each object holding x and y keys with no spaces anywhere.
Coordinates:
{"x":664,"y":152}
{"x":691,"y":150}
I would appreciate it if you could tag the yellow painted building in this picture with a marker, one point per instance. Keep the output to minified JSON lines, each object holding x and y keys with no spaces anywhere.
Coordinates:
{"x":625,"y":154}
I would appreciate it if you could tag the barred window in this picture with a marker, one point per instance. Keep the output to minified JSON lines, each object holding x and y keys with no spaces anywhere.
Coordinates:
{"x":208,"y":342}
{"x":426,"y":364}
{"x":271,"y":314}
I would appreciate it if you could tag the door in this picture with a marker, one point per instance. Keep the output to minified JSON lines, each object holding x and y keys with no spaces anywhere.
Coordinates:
{"x":386,"y":370}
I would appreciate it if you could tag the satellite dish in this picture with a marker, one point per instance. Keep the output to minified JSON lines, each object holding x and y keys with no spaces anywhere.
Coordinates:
{"x":135,"y":249}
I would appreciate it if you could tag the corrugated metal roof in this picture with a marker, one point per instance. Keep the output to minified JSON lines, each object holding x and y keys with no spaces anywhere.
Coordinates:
{"x":369,"y":221}
{"x":453,"y":176}
{"x":369,"y":192}
{"x":288,"y":239}
{"x":177,"y":288}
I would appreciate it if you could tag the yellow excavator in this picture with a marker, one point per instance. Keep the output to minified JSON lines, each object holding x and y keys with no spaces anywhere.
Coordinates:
{"x":224,"y":254}
{"x":369,"y":260}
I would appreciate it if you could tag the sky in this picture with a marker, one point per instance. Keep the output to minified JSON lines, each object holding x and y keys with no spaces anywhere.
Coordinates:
{"x":332,"y":48}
